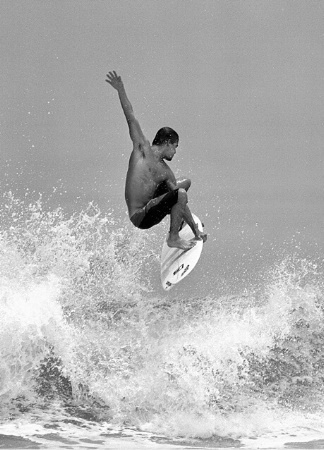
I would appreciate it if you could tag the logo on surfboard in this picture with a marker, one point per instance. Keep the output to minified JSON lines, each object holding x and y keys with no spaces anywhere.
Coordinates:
{"x":178,"y":269}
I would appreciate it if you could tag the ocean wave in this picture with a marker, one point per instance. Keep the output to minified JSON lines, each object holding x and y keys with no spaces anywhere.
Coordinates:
{"x":80,"y":325}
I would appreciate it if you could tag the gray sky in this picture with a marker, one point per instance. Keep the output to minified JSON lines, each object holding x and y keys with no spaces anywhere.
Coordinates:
{"x":240,"y":81}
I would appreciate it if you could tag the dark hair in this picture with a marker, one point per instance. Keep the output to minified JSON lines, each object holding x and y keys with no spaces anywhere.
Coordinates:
{"x":165,"y":134}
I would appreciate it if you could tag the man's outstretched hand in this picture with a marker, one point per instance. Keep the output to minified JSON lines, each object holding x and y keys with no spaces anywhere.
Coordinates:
{"x":114,"y":80}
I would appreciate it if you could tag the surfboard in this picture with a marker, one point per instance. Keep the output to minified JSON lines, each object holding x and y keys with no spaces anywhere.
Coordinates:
{"x":176,"y":264}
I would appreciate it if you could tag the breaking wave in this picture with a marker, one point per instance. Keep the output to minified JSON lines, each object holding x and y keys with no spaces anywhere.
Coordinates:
{"x":80,"y":326}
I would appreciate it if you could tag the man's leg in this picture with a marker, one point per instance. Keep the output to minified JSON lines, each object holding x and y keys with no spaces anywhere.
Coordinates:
{"x":179,"y":212}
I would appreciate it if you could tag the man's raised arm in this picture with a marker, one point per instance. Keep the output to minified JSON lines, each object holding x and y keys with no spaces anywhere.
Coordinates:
{"x":135,"y":130}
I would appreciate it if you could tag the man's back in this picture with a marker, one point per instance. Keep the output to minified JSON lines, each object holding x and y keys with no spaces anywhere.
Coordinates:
{"x":146,"y":171}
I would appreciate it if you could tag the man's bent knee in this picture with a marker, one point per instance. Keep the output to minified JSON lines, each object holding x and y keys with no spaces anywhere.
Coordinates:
{"x":185,"y":183}
{"x":182,"y":196}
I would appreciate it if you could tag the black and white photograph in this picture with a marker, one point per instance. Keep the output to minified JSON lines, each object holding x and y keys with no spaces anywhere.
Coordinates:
{"x":162,"y":224}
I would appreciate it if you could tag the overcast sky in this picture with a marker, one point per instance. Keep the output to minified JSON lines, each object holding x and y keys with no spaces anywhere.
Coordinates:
{"x":240,"y":81}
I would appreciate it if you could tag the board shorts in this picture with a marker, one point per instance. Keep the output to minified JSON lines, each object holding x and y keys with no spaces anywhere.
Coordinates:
{"x":155,"y":210}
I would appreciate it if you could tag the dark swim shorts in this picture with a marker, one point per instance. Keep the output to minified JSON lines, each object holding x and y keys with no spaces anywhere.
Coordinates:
{"x":155,"y":210}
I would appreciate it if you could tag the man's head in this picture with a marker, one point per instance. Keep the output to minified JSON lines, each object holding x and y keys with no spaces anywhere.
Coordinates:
{"x":166,"y":135}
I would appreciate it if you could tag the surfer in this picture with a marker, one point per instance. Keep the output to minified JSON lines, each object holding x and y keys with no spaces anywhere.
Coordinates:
{"x":152,"y":191}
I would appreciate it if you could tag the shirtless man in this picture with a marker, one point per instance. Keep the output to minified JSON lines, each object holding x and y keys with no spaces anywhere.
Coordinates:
{"x":152,"y":191}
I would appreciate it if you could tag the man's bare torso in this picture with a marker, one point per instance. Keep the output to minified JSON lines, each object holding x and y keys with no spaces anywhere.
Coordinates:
{"x":145,"y":173}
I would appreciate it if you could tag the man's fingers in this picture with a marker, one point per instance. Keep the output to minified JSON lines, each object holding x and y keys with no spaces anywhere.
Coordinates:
{"x":112,"y":74}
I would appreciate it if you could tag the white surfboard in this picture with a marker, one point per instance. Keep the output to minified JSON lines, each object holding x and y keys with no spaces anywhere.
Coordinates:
{"x":176,"y":264}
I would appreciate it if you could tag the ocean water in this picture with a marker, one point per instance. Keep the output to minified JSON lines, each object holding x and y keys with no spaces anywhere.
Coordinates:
{"x":92,"y":357}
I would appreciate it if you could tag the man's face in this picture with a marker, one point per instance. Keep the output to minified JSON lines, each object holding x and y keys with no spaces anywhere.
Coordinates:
{"x":171,"y":150}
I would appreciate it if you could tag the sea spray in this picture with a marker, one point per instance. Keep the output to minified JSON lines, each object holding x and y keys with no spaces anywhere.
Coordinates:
{"x":81,"y":325}
{"x":30,"y":320}
{"x":166,"y":366}
{"x":57,"y":273}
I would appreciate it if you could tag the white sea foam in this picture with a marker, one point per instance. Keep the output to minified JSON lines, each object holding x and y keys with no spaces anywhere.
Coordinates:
{"x":81,"y":328}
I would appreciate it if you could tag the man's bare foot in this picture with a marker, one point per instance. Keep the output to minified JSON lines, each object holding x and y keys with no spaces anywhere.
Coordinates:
{"x":181,"y":243}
